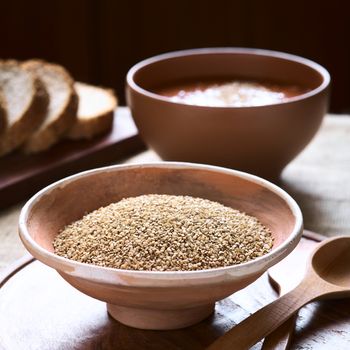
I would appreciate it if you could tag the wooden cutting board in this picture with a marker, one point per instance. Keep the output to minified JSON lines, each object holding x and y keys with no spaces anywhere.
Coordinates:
{"x":39,"y":310}
{"x":23,"y":175}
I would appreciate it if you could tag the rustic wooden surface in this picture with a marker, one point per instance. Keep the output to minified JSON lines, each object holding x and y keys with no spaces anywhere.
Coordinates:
{"x":23,"y":175}
{"x":325,"y":277}
{"x":39,"y":310}
{"x":283,"y":281}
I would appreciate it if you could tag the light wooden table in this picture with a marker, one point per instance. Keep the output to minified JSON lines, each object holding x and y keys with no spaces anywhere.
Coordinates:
{"x":319,"y":180}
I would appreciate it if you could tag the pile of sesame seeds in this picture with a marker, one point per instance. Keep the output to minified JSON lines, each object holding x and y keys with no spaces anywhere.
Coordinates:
{"x":164,"y":233}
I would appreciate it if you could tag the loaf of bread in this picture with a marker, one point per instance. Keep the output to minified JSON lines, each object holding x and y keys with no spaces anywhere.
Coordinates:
{"x":95,"y":111}
{"x":40,"y":104}
{"x":26,"y":102}
{"x":62,"y":110}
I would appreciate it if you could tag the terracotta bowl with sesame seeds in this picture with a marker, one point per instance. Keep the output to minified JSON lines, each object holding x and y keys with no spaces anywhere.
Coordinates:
{"x":149,"y":299}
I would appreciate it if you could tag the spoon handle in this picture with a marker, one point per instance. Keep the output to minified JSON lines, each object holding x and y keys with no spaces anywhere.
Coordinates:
{"x":281,"y":337}
{"x":264,"y":321}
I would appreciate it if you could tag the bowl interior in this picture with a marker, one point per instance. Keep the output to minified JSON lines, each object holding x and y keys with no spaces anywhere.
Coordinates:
{"x":220,"y":64}
{"x":72,"y":198}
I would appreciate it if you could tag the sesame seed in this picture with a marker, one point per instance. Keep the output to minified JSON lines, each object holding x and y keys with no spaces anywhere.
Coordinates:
{"x":158,"y":232}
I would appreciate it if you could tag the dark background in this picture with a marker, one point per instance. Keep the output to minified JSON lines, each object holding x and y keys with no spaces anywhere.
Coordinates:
{"x":98,"y":41}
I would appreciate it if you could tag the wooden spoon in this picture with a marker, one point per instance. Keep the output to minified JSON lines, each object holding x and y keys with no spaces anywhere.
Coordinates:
{"x":327,"y":276}
{"x":284,"y":277}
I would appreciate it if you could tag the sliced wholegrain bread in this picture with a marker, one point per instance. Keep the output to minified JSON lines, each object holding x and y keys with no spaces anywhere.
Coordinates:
{"x":95,"y":111}
{"x":62,"y":110}
{"x":26,"y":102}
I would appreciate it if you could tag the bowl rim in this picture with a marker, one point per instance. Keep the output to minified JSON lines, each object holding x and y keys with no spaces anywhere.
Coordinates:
{"x":228,"y":50}
{"x":55,"y":261}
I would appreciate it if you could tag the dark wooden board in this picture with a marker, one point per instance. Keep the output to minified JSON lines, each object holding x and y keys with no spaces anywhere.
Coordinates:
{"x":39,"y":310}
{"x":23,"y":175}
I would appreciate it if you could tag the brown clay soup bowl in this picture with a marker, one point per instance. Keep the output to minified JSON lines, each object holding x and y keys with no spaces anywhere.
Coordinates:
{"x":150,"y":299}
{"x":257,"y":139}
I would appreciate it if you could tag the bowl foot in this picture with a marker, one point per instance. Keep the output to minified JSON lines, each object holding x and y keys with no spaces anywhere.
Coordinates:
{"x":159,"y":319}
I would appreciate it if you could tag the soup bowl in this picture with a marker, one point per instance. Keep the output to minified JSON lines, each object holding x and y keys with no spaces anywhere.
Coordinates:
{"x":259,"y":139}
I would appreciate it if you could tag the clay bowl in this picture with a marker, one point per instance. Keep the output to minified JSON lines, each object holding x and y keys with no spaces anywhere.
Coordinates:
{"x":261,"y":140}
{"x":158,"y":300}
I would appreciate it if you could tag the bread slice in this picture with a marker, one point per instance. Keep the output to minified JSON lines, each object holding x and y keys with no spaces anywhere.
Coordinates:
{"x":3,"y":117}
{"x":95,"y":111}
{"x":63,"y":105}
{"x":26,"y":102}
